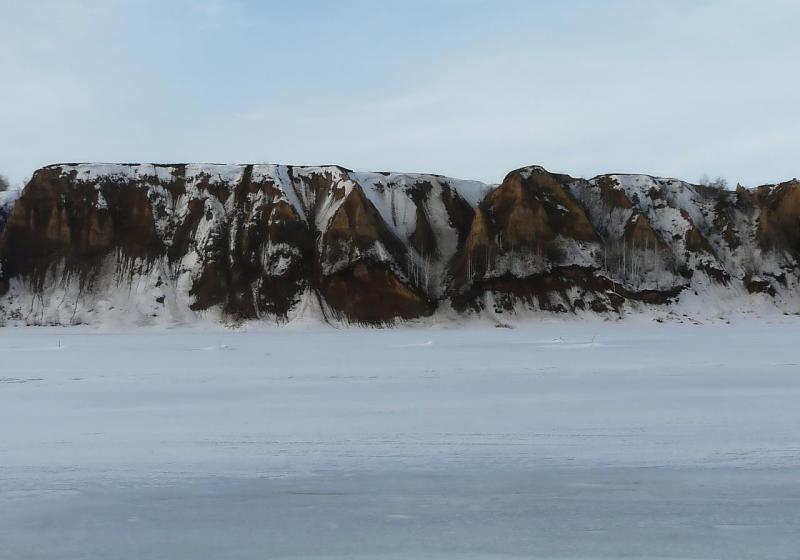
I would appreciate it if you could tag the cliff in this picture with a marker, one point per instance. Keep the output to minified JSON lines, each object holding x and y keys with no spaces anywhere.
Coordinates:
{"x":169,"y":243}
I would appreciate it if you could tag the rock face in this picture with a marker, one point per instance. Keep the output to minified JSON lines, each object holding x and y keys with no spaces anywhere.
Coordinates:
{"x":149,"y":243}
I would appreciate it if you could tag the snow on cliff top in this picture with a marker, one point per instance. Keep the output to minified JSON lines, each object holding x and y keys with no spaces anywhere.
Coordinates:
{"x":471,"y":191}
{"x":133,"y":171}
{"x":229,"y":171}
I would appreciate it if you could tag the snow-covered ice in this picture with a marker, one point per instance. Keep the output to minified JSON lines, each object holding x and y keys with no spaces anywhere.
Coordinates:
{"x":550,"y":440}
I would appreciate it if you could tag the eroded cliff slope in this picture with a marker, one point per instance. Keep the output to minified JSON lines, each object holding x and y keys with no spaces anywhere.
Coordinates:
{"x":153,"y":243}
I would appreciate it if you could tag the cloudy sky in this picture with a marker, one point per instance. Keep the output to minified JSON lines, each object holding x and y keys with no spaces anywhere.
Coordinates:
{"x":466,"y":88}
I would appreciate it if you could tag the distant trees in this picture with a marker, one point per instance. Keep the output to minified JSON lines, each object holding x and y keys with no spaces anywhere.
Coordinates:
{"x":720,"y":182}
{"x":4,"y":186}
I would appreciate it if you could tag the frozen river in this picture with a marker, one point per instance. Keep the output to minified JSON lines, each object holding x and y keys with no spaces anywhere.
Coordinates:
{"x":546,"y":441}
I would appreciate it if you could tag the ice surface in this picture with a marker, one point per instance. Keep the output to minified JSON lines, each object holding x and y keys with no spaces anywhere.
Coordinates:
{"x":551,"y":440}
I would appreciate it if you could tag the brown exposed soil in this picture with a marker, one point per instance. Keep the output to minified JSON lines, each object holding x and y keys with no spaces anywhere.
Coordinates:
{"x":371,"y":293}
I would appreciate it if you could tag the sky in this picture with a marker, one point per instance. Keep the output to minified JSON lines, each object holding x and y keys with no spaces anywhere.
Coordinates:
{"x":467,"y":88}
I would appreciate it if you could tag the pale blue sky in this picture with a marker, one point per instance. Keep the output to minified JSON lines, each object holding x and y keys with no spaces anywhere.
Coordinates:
{"x":465,"y":88}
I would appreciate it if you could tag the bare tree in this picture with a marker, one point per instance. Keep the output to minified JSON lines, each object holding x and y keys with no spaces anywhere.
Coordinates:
{"x":4,"y":186}
{"x":720,"y":182}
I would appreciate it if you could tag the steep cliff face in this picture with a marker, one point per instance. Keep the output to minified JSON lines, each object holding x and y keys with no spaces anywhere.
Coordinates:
{"x":153,"y":243}
{"x":7,"y":200}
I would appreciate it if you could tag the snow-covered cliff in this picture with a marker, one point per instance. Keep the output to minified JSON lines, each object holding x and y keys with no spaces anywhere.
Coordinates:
{"x":144,"y":243}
